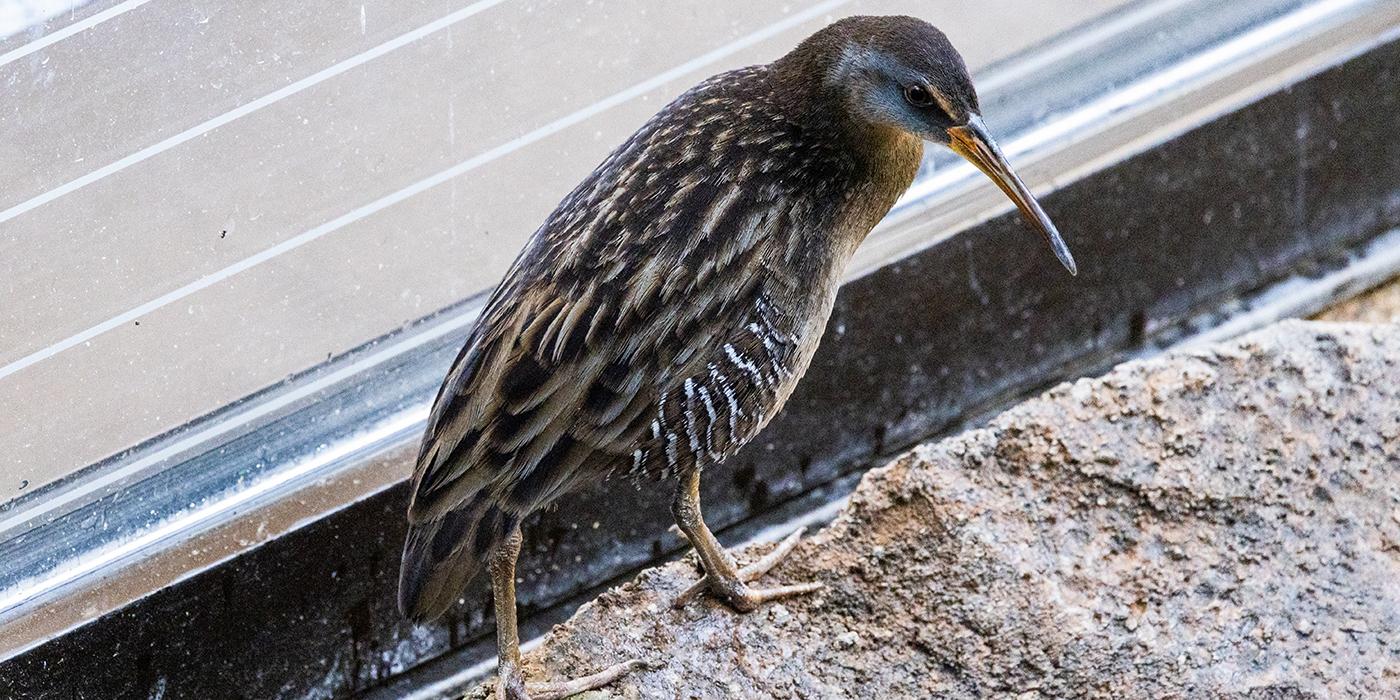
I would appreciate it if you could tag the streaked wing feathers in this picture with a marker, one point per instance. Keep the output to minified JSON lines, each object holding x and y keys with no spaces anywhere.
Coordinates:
{"x":622,"y":294}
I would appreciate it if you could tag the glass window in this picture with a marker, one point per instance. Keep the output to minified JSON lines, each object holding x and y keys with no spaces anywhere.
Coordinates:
{"x":198,"y":200}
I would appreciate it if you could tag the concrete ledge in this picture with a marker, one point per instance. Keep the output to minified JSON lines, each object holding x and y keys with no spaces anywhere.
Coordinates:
{"x":1219,"y":523}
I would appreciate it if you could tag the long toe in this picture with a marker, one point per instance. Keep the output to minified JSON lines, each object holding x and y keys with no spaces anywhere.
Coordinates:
{"x":742,"y":598}
{"x":564,"y":689}
{"x":751,"y":598}
{"x":732,"y":592}
{"x":771,"y":559}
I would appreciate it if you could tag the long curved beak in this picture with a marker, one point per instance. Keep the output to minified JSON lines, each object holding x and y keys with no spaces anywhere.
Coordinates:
{"x":976,"y":145}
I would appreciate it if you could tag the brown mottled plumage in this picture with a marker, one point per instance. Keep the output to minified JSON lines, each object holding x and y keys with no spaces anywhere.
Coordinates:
{"x":663,"y":313}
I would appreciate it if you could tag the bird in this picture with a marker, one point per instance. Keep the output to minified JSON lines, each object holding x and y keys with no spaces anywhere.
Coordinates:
{"x":663,"y":313}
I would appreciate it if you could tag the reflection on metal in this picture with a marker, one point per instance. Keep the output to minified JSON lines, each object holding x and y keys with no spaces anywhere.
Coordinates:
{"x":18,"y":16}
{"x":1301,"y":296}
{"x":266,"y":447}
{"x":1162,"y":69}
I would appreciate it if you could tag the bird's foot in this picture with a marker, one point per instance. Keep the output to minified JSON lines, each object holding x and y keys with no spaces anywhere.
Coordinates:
{"x":511,"y":684}
{"x":734,"y":592}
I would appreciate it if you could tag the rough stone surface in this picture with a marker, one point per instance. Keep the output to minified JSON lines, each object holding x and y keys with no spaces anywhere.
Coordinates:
{"x":1378,"y":305}
{"x":1218,"y":524}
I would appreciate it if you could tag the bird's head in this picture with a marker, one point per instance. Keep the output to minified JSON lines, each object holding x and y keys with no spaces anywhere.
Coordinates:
{"x":903,"y":73}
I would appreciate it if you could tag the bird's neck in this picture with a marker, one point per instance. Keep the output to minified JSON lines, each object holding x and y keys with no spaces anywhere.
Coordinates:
{"x":891,"y":159}
{"x":884,"y":159}
{"x":885,"y":163}
{"x":860,"y":192}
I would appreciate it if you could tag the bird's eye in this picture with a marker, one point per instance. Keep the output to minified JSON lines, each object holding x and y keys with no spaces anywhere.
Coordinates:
{"x":919,"y":96}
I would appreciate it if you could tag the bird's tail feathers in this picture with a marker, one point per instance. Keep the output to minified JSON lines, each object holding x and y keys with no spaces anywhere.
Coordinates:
{"x":444,"y":554}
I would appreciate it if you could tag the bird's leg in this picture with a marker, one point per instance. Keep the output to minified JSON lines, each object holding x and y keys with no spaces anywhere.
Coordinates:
{"x":722,"y":578}
{"x":510,"y":682}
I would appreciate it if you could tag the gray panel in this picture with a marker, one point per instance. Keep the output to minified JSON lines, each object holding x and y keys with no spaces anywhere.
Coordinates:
{"x":170,"y":223}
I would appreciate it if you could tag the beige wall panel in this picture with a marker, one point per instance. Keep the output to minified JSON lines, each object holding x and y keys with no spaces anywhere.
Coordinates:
{"x":286,"y":169}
